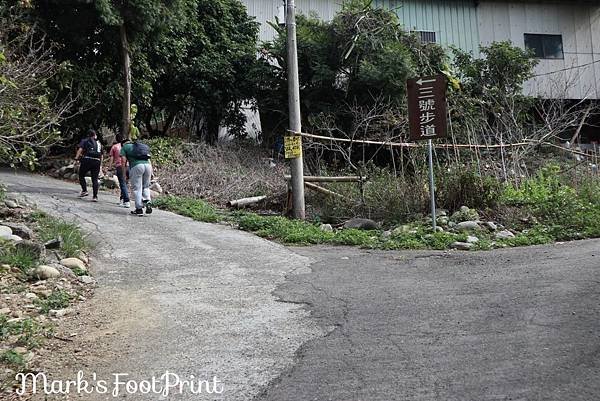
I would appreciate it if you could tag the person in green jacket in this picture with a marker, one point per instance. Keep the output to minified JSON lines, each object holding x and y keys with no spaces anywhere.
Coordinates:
{"x":137,"y":156}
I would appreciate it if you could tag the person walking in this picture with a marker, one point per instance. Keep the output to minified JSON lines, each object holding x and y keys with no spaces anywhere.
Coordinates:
{"x":89,"y":154}
{"x":115,"y":158}
{"x":137,"y":155}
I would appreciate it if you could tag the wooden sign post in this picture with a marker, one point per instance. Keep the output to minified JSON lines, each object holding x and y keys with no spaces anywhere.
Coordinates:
{"x":427,"y":108}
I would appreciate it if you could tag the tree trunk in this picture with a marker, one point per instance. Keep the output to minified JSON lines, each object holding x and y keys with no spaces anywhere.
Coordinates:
{"x":211,"y":128}
{"x":126,"y":83}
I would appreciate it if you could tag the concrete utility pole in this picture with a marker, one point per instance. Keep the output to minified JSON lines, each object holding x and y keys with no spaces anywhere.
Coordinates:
{"x":294,"y":106}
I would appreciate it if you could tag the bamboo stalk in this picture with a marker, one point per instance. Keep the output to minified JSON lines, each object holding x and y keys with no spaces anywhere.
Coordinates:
{"x":322,"y":190}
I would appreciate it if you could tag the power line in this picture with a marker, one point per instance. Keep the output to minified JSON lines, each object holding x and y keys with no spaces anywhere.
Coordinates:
{"x":566,"y":69}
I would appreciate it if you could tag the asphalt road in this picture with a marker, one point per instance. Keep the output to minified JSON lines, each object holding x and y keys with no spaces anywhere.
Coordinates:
{"x":336,"y":324}
{"x":516,"y":324}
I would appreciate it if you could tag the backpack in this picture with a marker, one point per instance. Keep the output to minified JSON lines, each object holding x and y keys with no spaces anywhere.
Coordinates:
{"x":140,"y":151}
{"x":93,"y":149}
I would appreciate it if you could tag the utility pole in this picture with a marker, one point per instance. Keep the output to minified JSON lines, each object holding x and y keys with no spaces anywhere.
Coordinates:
{"x":294,"y":109}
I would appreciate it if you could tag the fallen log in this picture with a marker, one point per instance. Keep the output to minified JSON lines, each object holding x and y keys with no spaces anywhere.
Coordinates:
{"x":322,"y":190}
{"x":245,"y":201}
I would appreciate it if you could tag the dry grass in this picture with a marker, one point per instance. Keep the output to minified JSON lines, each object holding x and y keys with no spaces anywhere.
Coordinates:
{"x":223,"y":173}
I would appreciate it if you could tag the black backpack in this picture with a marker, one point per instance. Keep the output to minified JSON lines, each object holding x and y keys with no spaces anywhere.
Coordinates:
{"x":93,"y":149}
{"x":140,"y":151}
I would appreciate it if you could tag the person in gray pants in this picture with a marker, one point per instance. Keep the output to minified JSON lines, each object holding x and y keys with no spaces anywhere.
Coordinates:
{"x":137,"y":154}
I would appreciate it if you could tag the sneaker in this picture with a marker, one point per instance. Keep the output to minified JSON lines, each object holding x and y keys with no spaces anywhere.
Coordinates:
{"x":95,"y":199}
{"x":138,"y":212}
{"x":148,"y":207}
{"x":126,"y":205}
{"x":83,"y":194}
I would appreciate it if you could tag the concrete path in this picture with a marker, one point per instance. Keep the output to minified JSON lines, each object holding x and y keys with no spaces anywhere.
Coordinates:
{"x":180,"y":296}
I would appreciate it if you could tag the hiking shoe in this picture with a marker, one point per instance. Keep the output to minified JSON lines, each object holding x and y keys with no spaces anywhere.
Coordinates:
{"x":148,"y":207}
{"x":95,"y":199}
{"x":138,"y":212}
{"x":125,"y":205}
{"x":83,"y":194}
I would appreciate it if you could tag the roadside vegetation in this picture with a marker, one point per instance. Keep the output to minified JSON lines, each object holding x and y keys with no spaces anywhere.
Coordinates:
{"x":37,"y":284}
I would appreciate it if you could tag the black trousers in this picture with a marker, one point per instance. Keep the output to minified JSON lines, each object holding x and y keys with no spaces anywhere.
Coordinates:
{"x":91,"y":166}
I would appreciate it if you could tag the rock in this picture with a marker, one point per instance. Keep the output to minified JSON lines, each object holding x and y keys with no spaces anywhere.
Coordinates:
{"x":11,"y":204}
{"x":439,"y":229}
{"x":462,"y":246}
{"x":361,"y":224}
{"x":465,"y":214}
{"x":443,"y":220}
{"x":20,"y":350}
{"x":111,"y":182}
{"x":441,"y":212}
{"x":4,"y":311}
{"x":33,"y":247}
{"x":155,"y":186}
{"x":326,"y":227}
{"x":15,"y":238}
{"x":403,"y":229}
{"x":471,"y":239}
{"x":44,"y":272}
{"x":19,"y":229}
{"x":6,"y":267}
{"x":73,"y":263}
{"x":154,"y":194}
{"x":83,"y":257}
{"x":504,"y":234}
{"x":53,"y":243}
{"x":88,"y":181}
{"x":467,"y":226}
{"x":5,"y":232}
{"x":31,"y":295}
{"x":73,"y":177}
{"x":58,"y":312}
{"x":490,"y":225}
{"x":386,"y":234}
{"x":66,"y":170}
{"x":87,"y":279}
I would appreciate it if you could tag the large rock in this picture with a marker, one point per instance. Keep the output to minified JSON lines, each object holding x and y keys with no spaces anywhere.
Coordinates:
{"x":73,"y":263}
{"x":462,"y":246}
{"x":326,"y":227}
{"x":32,"y":247}
{"x":156,"y":187}
{"x":44,"y":272}
{"x":11,"y":204}
{"x":73,"y":177}
{"x":466,"y":226}
{"x":5,"y":232}
{"x":504,"y":234}
{"x":490,"y":225}
{"x":19,"y":229}
{"x":361,"y":224}
{"x":15,"y":238}
{"x":471,"y":239}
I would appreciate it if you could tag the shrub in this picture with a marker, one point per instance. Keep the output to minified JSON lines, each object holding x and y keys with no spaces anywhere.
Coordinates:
{"x":460,"y":186}
{"x":49,"y":228}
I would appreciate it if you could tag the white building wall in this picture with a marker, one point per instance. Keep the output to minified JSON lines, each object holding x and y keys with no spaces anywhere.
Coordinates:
{"x":267,"y":10}
{"x":579,"y":25}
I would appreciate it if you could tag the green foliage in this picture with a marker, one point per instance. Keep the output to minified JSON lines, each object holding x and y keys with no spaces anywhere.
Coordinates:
{"x":12,"y":358}
{"x":564,"y":211}
{"x":360,"y":58}
{"x":195,"y":208}
{"x":21,"y":258}
{"x":29,"y":331}
{"x":165,"y":151}
{"x":49,"y":228}
{"x":29,"y":121}
{"x":462,"y":185}
{"x":59,"y":299}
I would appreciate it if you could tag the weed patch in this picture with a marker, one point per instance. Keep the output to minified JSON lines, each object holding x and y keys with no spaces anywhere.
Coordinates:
{"x":195,"y":208}
{"x":21,"y":258}
{"x":49,"y":228}
{"x":13,"y":358}
{"x":59,"y":299}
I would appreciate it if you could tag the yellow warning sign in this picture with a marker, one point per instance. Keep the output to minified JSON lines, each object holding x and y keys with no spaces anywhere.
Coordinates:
{"x":293,"y":146}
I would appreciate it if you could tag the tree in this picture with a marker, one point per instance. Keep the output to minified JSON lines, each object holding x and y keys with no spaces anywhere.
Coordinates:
{"x":30,"y":118}
{"x":360,"y":59}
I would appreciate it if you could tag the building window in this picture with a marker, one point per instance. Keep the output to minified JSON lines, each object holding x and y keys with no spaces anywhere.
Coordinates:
{"x":545,"y":46}
{"x":426,"y":36}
